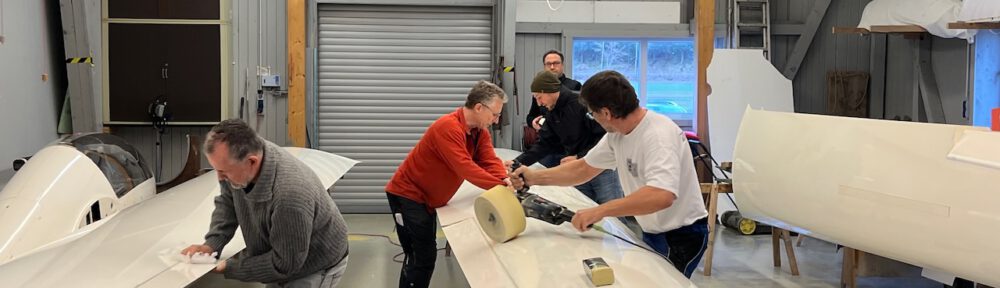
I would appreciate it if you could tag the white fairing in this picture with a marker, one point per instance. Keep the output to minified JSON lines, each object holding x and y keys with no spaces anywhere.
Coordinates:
{"x":885,"y":187}
{"x":134,"y":245}
{"x":48,"y":199}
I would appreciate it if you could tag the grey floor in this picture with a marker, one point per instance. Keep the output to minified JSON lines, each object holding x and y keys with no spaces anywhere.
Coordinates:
{"x":740,"y":261}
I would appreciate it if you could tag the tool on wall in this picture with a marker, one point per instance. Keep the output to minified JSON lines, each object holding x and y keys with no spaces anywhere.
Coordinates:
{"x":498,"y":80}
{"x":2,"y":34}
{"x":246,"y":90}
{"x":157,"y":111}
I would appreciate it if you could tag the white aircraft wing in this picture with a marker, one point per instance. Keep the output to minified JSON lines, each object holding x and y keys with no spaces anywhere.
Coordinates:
{"x":924,"y":194}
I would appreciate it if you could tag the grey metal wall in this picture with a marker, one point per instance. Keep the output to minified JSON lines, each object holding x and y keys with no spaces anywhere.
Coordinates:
{"x":827,"y":52}
{"x":529,"y":48}
{"x":853,"y":52}
{"x":29,"y":105}
{"x":248,"y":39}
{"x":949,"y":58}
{"x":259,"y":39}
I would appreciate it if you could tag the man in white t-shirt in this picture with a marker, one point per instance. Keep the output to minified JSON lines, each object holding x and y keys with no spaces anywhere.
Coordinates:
{"x":654,"y":164}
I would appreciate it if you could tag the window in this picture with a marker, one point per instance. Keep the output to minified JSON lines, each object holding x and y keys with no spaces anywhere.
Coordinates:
{"x":663,"y":71}
{"x":985,"y":87}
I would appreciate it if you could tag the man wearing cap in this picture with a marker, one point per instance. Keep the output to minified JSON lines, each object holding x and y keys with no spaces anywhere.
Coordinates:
{"x":553,"y":62}
{"x":568,"y":131}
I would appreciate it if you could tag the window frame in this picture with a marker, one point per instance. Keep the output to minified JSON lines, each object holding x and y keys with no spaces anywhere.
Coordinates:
{"x":569,"y":42}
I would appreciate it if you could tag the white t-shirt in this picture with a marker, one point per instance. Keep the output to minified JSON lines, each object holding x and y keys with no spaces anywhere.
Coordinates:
{"x":655,"y":153}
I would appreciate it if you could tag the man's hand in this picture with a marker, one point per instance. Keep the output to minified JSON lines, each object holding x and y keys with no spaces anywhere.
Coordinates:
{"x":586,"y":217}
{"x":191,"y":250}
{"x":508,"y":183}
{"x":568,"y":159}
{"x":516,"y":180}
{"x":507,"y":164}
{"x":221,"y":267}
{"x":537,"y":123}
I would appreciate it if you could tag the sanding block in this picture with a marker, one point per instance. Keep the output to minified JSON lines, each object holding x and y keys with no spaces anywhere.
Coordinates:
{"x":598,"y":271}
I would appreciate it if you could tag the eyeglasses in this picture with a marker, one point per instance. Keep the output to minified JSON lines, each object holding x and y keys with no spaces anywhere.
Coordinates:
{"x":590,"y":115}
{"x":553,"y":63}
{"x":495,"y":114}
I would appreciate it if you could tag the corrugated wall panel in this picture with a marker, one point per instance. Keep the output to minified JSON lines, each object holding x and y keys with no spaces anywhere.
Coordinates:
{"x":529,"y":48}
{"x":830,"y":52}
{"x":385,"y":74}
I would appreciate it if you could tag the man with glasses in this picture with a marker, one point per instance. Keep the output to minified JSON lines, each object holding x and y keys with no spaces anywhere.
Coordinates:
{"x":553,"y":61}
{"x":655,"y":166}
{"x":456,"y":147}
{"x":568,"y":131}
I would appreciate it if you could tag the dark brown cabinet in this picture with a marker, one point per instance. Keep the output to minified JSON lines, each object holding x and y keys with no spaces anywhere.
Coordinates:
{"x":164,"y":49}
{"x":163,"y":9}
{"x":180,"y":63}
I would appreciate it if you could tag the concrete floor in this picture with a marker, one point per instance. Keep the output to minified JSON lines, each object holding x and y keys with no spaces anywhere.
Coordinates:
{"x":740,"y":261}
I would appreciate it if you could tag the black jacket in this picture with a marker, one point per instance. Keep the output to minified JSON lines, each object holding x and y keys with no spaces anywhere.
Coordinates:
{"x":537,"y":110}
{"x":567,"y":130}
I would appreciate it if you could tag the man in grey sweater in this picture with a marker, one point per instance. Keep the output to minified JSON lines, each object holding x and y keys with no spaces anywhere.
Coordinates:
{"x":294,"y":233}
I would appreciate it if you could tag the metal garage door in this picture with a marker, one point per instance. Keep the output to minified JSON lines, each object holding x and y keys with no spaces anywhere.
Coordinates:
{"x":385,"y":74}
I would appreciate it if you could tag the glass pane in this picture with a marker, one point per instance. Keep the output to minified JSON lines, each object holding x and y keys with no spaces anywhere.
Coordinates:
{"x":672,"y":73}
{"x":595,"y":55}
{"x":986,"y":79}
{"x":120,"y":162}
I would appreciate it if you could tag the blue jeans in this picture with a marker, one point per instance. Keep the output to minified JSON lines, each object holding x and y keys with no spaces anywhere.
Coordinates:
{"x":603,"y":188}
{"x":683,"y":246}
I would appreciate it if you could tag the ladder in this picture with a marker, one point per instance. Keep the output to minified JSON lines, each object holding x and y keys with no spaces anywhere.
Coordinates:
{"x":751,"y":25}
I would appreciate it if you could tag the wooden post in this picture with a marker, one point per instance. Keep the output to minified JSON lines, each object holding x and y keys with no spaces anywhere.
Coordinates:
{"x":849,"y":272}
{"x":713,"y":204}
{"x":296,"y":10}
{"x":704,"y":45}
{"x":790,"y":252}
{"x":776,"y":245}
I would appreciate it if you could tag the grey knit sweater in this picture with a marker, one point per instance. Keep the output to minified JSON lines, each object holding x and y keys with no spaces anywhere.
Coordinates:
{"x":290,"y":224}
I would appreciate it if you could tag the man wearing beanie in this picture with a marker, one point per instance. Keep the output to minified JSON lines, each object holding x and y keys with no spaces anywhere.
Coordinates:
{"x":567,"y":130}
{"x":553,"y":62}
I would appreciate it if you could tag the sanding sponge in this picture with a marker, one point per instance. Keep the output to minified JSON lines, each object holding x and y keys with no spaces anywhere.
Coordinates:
{"x":500,"y":214}
{"x":598,"y":271}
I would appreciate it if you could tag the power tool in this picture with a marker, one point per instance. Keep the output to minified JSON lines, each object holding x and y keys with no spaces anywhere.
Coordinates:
{"x":540,"y":208}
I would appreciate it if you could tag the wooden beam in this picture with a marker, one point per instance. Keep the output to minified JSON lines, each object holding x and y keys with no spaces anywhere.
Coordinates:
{"x":850,"y":30}
{"x":296,"y":10}
{"x":912,"y":29}
{"x":704,"y":47}
{"x":968,"y":25}
{"x":897,"y":29}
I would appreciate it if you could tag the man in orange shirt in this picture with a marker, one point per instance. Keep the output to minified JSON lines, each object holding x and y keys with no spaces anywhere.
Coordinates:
{"x":454,"y":148}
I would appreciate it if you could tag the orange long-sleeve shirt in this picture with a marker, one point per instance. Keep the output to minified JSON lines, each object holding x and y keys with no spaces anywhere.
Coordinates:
{"x":445,"y":156}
